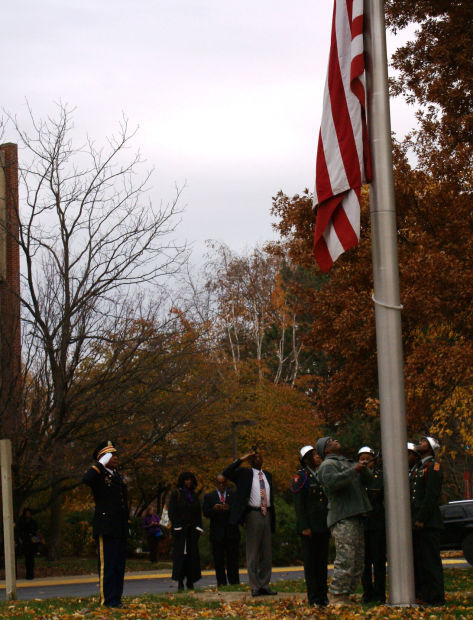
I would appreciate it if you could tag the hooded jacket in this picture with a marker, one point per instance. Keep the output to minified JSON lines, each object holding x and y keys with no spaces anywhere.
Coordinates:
{"x":344,"y":488}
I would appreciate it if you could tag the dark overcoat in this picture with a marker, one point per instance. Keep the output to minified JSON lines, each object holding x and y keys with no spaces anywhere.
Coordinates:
{"x":185,"y":517}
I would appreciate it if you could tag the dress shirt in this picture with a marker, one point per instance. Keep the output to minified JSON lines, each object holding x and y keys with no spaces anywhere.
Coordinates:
{"x":255,"y":496}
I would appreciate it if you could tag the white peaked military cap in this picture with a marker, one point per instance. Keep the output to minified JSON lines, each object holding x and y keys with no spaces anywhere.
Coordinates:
{"x":366,"y":449}
{"x":434,"y":444}
{"x":305,"y":450}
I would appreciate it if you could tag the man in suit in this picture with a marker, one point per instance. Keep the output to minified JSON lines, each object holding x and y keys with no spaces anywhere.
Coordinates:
{"x":311,"y":513}
{"x":254,"y":506}
{"x":426,"y":487}
{"x":110,"y":523}
{"x":224,"y":536}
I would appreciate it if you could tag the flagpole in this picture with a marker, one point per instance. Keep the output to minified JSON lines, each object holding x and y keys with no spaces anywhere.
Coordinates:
{"x":388,"y":314}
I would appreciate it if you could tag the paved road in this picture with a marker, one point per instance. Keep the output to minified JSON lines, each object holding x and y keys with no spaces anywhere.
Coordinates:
{"x":149,"y":582}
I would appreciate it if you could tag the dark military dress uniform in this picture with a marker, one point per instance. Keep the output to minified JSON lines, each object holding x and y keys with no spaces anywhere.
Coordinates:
{"x":426,"y":486}
{"x":374,"y":573}
{"x":110,"y":527}
{"x":311,"y":512}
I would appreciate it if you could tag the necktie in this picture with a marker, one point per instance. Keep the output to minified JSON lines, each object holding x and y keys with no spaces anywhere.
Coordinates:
{"x":264,"y":499}
{"x":222,"y":497}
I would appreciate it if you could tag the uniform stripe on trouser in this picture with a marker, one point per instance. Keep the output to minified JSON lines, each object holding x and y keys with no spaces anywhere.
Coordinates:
{"x":101,"y":569}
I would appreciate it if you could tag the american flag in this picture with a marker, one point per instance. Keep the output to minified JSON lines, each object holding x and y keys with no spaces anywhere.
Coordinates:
{"x":343,"y":163}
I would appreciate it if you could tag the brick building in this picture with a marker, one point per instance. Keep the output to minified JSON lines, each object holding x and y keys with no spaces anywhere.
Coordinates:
{"x":10,"y":339}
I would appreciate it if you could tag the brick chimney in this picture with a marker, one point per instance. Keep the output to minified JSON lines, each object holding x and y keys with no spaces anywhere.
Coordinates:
{"x":10,"y":335}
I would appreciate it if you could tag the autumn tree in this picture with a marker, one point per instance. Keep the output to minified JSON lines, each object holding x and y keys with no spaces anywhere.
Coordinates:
{"x":91,"y":244}
{"x":435,"y":74}
{"x":254,"y":356}
{"x":241,"y":300}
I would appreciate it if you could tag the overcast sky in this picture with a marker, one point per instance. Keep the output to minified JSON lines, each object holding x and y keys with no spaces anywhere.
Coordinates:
{"x":227,"y":94}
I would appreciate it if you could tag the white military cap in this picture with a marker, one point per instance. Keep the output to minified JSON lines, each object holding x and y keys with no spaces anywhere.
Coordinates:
{"x":366,"y":449}
{"x":434,"y":444}
{"x":305,"y":450}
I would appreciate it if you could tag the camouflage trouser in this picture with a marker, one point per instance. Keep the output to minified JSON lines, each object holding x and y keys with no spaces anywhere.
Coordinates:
{"x":348,"y":535}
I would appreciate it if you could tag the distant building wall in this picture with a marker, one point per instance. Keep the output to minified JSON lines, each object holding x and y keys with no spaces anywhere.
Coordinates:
{"x":10,"y":335}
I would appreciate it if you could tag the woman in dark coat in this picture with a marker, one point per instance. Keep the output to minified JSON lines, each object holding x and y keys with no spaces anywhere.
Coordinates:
{"x":26,"y":532}
{"x":186,"y":527}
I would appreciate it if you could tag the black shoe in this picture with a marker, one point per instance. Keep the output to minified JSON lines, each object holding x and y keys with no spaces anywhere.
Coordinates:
{"x":180,"y":586}
{"x":267,"y":592}
{"x":255,"y":593}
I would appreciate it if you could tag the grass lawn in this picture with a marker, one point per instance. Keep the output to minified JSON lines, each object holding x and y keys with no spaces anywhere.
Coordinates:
{"x":459,"y":584}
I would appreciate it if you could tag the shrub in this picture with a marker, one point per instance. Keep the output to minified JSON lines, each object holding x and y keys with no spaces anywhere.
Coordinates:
{"x":77,"y":534}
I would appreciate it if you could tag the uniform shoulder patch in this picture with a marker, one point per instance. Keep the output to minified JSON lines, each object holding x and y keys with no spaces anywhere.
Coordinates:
{"x":298,"y":482}
{"x":96,"y":468}
{"x":436,"y":466}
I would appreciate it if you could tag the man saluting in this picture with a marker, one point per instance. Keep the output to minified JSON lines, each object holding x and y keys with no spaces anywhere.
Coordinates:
{"x":254,"y":506}
{"x":110,"y":523}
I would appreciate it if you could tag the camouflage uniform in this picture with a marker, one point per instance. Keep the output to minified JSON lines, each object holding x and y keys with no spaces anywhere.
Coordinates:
{"x":348,"y":535}
{"x":347,"y":503}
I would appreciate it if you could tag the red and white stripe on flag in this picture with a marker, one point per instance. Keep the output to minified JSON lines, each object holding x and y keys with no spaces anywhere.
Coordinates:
{"x":343,"y":163}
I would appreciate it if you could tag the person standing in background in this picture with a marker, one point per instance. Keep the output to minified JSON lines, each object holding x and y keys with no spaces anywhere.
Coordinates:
{"x":27,"y":535}
{"x":224,"y":536}
{"x":153,"y":533}
{"x":186,"y":527}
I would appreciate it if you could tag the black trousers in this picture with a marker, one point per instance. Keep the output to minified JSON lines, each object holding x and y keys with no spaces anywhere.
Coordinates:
{"x":315,"y":558}
{"x":374,"y":573}
{"x":29,"y":550}
{"x":111,"y":564}
{"x":428,"y":570}
{"x":153,"y":543}
{"x":226,"y":553}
